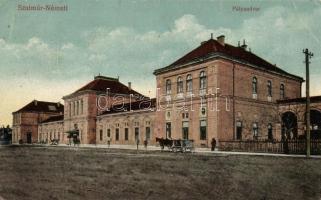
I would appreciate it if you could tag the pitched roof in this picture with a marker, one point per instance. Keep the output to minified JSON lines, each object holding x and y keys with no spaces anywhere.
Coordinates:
{"x":212,"y":47}
{"x":313,"y":99}
{"x":42,"y":106}
{"x":133,"y":106}
{"x":101,"y":83}
{"x":54,"y":119}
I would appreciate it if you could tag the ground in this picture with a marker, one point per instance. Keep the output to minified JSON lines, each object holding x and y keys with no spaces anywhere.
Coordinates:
{"x":88,"y":173}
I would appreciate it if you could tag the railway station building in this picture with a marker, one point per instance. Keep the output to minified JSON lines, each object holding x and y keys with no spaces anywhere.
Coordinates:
{"x":217,"y":90}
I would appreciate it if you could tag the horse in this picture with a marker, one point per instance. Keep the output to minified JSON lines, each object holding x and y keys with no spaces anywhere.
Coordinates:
{"x":164,"y":142}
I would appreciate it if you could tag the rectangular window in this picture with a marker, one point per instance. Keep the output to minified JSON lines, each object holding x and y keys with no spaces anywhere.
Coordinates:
{"x":168,"y":86}
{"x":117,"y":134}
{"x":82,"y":106}
{"x":147,"y":133}
{"x":126,"y":133}
{"x":282,"y":92}
{"x":101,"y":135}
{"x":108,"y":133}
{"x":269,"y":88}
{"x":254,"y":85}
{"x":203,"y":134}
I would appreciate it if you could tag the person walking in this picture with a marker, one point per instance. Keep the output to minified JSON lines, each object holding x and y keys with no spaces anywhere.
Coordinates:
{"x":213,"y":144}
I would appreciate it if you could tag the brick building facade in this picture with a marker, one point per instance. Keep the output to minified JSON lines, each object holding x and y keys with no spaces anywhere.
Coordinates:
{"x":228,"y":93}
{"x":215,"y":91}
{"x":26,"y":120}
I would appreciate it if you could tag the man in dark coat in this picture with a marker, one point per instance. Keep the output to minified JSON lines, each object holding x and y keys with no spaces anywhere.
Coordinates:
{"x":213,"y":144}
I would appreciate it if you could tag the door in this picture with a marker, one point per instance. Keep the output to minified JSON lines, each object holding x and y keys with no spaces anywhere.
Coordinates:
{"x":239,"y":130}
{"x":29,"y":138}
{"x":185,"y":130}
{"x":168,"y":130}
{"x":137,"y":133}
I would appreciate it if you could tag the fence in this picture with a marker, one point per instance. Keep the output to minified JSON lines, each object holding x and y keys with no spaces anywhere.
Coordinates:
{"x":288,"y":147}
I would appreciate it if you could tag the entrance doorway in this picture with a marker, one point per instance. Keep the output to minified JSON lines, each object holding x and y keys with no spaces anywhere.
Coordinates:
{"x":185,"y":130}
{"x":239,"y":130}
{"x":289,"y":125}
{"x":29,"y":137}
{"x":168,"y":130}
{"x":136,"y":134}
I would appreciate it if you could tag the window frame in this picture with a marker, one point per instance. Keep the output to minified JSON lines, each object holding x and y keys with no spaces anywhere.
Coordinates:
{"x":255,"y":130}
{"x":117,"y":134}
{"x":282,"y":91}
{"x":269,"y":87}
{"x":254,"y":85}
{"x":203,"y":135}
{"x":189,"y":83}
{"x":168,"y":87}
{"x":270,"y":134}
{"x":180,"y":85}
{"x":203,"y":80}
{"x":126,"y":130}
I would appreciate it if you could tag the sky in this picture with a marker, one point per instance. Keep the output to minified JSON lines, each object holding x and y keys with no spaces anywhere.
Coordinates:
{"x":46,"y":55}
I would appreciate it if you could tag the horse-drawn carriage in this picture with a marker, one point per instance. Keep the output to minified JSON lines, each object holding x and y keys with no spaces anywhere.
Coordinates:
{"x":176,"y":145}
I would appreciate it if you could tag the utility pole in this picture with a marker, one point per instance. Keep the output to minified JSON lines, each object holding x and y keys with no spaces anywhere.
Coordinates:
{"x":308,"y":55}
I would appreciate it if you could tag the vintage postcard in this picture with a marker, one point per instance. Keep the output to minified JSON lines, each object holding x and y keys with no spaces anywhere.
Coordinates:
{"x":173,"y":99}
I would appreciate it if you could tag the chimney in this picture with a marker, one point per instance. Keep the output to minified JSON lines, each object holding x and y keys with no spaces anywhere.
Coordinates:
{"x":244,"y":46}
{"x":221,"y":40}
{"x":35,"y":102}
{"x":130,"y":85}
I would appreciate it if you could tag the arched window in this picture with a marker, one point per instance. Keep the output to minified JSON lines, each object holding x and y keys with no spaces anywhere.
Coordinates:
{"x":168,"y":86}
{"x":282,"y":92}
{"x":269,"y":88}
{"x":254,"y":85}
{"x":202,"y":80}
{"x":255,"y":130}
{"x":189,"y":83}
{"x":179,"y":85}
{"x":270,"y":131}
